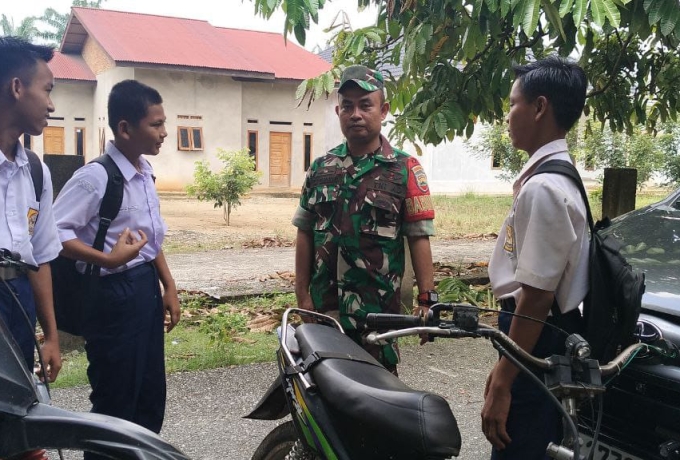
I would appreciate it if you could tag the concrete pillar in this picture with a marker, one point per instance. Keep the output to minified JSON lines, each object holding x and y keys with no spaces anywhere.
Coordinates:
{"x":618,"y":191}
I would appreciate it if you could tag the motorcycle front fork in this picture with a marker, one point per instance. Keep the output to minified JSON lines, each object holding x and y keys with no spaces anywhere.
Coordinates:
{"x":565,"y":451}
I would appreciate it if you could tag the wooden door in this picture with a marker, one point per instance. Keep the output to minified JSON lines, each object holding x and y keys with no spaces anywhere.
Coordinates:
{"x":279,"y":159}
{"x":53,"y":139}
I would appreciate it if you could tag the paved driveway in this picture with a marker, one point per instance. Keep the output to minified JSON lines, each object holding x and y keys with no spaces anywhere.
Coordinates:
{"x":205,"y":408}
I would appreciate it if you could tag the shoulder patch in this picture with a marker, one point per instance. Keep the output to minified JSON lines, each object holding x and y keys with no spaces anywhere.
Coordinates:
{"x":418,"y":201}
{"x":420,"y":178}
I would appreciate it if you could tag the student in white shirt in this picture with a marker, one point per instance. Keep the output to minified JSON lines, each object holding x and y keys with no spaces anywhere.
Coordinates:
{"x":540,"y":260}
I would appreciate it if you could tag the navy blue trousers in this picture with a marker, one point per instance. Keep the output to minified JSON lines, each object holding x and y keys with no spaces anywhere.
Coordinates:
{"x":534,"y":421}
{"x":123,"y":330}
{"x":23,"y":331}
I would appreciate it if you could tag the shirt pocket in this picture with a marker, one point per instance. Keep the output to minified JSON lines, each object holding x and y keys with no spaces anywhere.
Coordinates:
{"x":324,"y":202}
{"x":380,"y":215}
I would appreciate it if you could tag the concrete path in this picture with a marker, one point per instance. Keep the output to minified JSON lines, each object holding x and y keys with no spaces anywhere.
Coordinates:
{"x":205,"y":409}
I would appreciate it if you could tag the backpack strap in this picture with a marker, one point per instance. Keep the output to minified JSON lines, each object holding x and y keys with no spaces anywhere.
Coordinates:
{"x":567,"y":168}
{"x":108,"y":210}
{"x":35,"y":167}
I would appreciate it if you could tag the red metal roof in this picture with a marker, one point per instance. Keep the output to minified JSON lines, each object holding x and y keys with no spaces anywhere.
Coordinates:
{"x":70,"y":67}
{"x":287,"y":59}
{"x":162,"y":40}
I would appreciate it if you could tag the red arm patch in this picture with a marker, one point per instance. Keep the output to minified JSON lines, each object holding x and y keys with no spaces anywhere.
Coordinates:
{"x":418,"y":201}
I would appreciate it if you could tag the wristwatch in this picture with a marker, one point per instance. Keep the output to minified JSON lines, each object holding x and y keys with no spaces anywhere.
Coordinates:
{"x":428,"y":298}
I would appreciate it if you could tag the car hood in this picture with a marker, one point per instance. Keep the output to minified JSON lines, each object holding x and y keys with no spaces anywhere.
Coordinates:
{"x":651,"y":243}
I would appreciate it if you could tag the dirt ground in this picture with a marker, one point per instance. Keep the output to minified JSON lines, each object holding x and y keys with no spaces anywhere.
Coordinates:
{"x":261,"y":220}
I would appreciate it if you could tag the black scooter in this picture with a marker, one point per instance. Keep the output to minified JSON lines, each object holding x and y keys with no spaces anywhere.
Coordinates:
{"x":28,"y":422}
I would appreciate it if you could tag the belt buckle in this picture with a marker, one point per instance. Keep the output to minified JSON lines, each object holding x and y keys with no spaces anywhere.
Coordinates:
{"x":9,"y":273}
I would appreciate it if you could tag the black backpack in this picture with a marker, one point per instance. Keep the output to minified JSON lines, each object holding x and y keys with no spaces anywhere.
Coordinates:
{"x":612,"y":306}
{"x":70,"y":289}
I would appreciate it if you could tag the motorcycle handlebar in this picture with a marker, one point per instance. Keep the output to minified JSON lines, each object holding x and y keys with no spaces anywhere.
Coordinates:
{"x":384,"y":321}
{"x":464,"y":325}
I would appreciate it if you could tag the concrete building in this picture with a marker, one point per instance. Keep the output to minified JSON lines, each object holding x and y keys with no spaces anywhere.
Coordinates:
{"x":221,"y":88}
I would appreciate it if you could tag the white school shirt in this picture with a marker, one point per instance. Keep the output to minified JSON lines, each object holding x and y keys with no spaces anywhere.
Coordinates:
{"x":544,"y":241}
{"x":26,"y":226}
{"x":77,"y":208}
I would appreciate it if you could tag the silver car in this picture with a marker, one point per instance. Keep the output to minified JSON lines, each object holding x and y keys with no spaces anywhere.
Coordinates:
{"x":641,"y":418}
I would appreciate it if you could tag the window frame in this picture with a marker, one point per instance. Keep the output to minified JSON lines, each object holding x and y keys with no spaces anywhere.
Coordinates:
{"x":75,"y":140}
{"x":307,"y":160}
{"x":190,"y":130}
{"x":257,"y":143}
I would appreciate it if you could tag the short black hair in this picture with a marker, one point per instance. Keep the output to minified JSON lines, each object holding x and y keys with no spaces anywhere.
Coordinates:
{"x":561,"y":81}
{"x":130,"y":100}
{"x":18,"y":58}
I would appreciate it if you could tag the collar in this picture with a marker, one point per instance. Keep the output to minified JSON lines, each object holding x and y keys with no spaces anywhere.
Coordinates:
{"x":126,"y":168}
{"x":384,"y":153}
{"x":20,"y":157}
{"x":541,"y":156}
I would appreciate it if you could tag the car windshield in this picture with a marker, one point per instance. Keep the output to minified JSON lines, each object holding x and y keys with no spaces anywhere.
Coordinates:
{"x":651,"y":243}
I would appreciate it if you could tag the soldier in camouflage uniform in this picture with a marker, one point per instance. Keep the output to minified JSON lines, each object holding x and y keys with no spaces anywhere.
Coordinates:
{"x":357,"y":203}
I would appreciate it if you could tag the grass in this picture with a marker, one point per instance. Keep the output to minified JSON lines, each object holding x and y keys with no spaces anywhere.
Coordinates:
{"x":213,"y":335}
{"x":471,"y":214}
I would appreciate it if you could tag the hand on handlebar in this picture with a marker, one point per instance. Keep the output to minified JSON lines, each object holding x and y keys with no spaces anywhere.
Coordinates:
{"x":421,"y":311}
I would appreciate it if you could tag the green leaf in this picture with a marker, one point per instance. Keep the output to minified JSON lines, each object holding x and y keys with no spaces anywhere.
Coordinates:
{"x":565,"y":7}
{"x":440,"y":125}
{"x":654,"y":10}
{"x":302,"y":89}
{"x":605,"y":9}
{"x":527,"y":12}
{"x":329,"y":82}
{"x":580,"y":7}
{"x":553,"y":16}
{"x":506,"y":5}
{"x":669,"y":17}
{"x":318,"y":87}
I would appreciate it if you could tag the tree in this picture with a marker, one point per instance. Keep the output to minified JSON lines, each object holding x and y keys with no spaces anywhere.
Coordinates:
{"x":604,"y":148}
{"x":225,"y":188}
{"x":26,"y":29}
{"x":56,"y":22}
{"x":457,"y":56}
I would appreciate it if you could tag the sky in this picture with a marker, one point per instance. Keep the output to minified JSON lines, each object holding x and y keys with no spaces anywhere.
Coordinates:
{"x":223,"y":13}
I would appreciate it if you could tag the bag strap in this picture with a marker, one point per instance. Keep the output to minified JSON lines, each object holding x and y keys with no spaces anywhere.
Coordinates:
{"x":108,"y":210}
{"x":35,"y":167}
{"x":567,"y":168}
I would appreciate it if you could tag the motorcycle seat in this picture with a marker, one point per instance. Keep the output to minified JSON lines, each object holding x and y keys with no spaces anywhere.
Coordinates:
{"x":379,"y":415}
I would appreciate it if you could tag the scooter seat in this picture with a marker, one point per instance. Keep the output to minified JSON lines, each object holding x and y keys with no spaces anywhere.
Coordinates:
{"x":378,"y":415}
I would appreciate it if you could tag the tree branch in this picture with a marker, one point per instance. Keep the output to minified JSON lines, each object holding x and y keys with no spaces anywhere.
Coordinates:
{"x":615,"y":69}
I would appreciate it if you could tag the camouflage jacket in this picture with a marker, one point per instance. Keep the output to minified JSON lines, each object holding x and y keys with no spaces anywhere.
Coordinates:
{"x":359,"y":210}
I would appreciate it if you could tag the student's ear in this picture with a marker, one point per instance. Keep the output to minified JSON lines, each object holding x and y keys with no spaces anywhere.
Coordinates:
{"x":541,"y":104}
{"x":123,"y":129}
{"x":16,"y":88}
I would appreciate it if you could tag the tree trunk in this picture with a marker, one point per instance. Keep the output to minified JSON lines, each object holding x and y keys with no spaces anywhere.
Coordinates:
{"x":618,"y":191}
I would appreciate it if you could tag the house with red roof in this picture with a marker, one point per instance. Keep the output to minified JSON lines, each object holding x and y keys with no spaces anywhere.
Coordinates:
{"x":221,"y":88}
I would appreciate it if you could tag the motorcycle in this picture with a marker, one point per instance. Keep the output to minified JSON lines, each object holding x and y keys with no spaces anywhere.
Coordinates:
{"x":29,"y":422}
{"x":344,"y":405}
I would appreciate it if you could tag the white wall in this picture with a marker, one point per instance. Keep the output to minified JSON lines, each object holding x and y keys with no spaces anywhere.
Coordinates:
{"x":275,"y":101}
{"x":216,"y":99}
{"x":71,"y":100}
